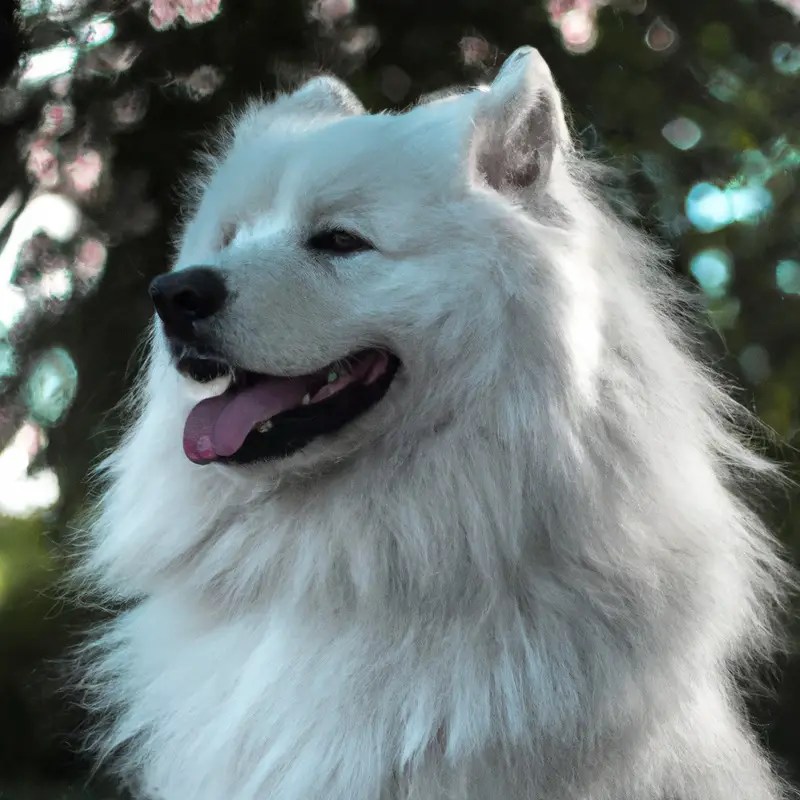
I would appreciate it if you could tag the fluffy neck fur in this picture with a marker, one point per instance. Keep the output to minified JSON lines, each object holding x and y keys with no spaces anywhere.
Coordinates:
{"x":541,"y":592}
{"x":618,"y":579}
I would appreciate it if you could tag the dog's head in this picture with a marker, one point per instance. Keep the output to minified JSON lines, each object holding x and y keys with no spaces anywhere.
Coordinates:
{"x":347,"y":275}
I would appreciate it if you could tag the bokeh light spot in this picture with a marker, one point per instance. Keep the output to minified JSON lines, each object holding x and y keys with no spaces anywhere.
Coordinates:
{"x":578,"y":30}
{"x":395,"y":84}
{"x":713,"y":269}
{"x":51,"y":386}
{"x":724,"y":85}
{"x":724,"y":312}
{"x":660,"y":35}
{"x":749,"y":203}
{"x":682,"y":133}
{"x":786,"y":58}
{"x":708,"y":207}
{"x":754,"y":361}
{"x":787,"y":276}
{"x":715,"y":39}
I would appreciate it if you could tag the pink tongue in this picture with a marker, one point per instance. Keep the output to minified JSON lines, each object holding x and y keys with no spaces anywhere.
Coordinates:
{"x":219,"y":425}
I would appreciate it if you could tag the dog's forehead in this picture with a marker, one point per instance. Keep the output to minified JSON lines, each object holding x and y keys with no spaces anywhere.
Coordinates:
{"x":367,"y":165}
{"x":364,"y":150}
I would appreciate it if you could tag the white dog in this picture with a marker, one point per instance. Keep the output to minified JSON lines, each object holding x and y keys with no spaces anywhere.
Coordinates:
{"x":425,"y":497}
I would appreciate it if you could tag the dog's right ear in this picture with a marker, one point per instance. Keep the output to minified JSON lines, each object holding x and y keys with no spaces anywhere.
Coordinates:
{"x":519,"y":125}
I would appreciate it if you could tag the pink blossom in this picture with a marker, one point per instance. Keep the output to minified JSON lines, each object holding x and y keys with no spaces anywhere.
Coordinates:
{"x":118,"y":57}
{"x":558,"y":8}
{"x":57,"y":118}
{"x":29,"y":438}
{"x":42,"y":163}
{"x":84,"y":171}
{"x":474,"y":50}
{"x":197,"y":11}
{"x":329,"y":12}
{"x":35,"y":253}
{"x":56,"y":283}
{"x":578,"y":30}
{"x":129,"y":108}
{"x":202,"y":82}
{"x":61,"y":85}
{"x":90,"y":259}
{"x":163,"y":13}
{"x":576,"y":21}
{"x":358,"y":40}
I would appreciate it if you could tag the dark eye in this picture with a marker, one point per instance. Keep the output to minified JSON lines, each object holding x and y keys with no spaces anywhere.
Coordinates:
{"x":339,"y":242}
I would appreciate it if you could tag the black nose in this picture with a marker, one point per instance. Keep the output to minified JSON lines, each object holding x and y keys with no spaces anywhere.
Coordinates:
{"x":187,"y":295}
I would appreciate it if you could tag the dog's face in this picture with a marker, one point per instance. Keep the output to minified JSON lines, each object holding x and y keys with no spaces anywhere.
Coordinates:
{"x":344,"y":275}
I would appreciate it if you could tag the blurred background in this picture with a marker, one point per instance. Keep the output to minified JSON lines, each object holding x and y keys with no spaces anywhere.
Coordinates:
{"x":102,"y":104}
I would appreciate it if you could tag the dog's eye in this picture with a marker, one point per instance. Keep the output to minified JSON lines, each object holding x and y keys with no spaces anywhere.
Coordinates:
{"x":338,"y":241}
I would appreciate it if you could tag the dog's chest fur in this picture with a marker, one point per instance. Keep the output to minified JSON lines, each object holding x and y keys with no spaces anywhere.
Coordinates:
{"x":272,"y":705}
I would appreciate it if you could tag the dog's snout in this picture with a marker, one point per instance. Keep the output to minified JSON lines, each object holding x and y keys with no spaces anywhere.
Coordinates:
{"x":186,"y":296}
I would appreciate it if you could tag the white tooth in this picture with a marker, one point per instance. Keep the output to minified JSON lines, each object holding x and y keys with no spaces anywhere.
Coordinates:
{"x":263,"y":426}
{"x":201,"y":391}
{"x":306,"y":400}
{"x":332,"y":376}
{"x":221,"y":384}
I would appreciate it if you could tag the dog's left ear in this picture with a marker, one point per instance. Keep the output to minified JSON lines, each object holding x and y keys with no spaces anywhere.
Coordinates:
{"x":519,"y":125}
{"x":325,"y":94}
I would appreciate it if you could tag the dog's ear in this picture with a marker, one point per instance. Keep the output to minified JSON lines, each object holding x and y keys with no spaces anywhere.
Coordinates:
{"x":519,"y":124}
{"x":324,"y":95}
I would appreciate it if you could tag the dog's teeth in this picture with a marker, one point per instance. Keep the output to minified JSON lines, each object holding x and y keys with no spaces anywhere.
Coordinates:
{"x":306,"y":400}
{"x":212,"y":388}
{"x":263,"y":426}
{"x":332,"y":376}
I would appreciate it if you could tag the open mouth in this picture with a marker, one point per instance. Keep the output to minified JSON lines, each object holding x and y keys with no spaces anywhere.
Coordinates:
{"x":260,"y":417}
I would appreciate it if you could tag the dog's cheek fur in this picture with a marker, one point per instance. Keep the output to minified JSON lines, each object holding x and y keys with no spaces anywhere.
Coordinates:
{"x":543,"y":593}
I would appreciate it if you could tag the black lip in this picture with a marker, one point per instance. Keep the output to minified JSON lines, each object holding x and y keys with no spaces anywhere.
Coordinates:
{"x":297,"y":427}
{"x":202,"y":369}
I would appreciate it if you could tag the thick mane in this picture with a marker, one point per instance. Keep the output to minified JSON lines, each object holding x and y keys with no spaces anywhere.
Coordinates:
{"x":569,"y":550}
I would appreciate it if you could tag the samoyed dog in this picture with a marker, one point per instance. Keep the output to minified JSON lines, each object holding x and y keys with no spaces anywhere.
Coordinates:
{"x":425,"y":496}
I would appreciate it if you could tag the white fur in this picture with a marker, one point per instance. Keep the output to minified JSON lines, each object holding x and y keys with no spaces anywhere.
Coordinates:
{"x":523,"y":575}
